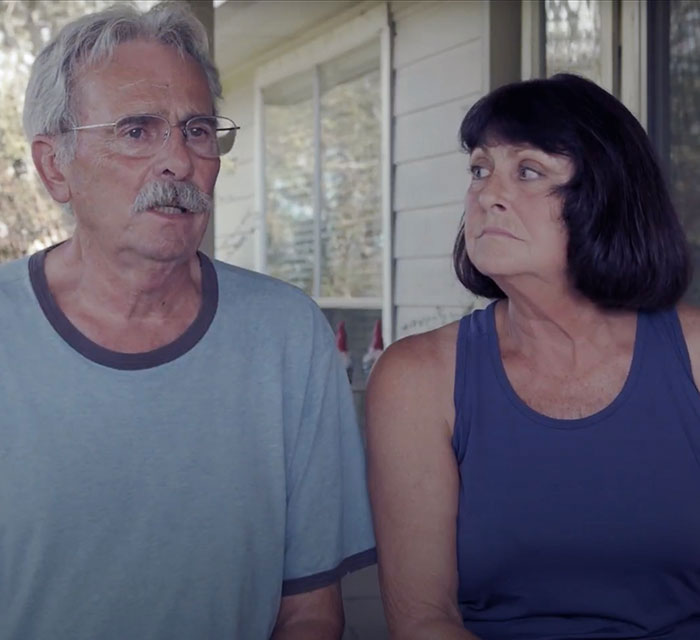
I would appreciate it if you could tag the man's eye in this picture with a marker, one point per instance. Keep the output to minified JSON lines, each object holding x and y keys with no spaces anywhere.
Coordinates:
{"x":198,"y":132}
{"x":133,"y":132}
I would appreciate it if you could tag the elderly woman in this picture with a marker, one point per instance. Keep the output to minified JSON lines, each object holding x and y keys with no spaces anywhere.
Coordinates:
{"x":535,"y":467}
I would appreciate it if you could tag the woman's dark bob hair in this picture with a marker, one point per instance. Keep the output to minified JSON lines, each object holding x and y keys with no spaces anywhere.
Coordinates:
{"x":626,"y":249}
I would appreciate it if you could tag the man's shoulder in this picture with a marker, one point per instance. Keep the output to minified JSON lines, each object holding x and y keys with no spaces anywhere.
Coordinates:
{"x":14,"y":270}
{"x":243,"y":286}
{"x":14,"y":279}
{"x":16,"y":297}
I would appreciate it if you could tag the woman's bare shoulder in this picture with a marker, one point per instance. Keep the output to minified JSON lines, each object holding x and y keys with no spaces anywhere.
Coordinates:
{"x":689,"y":317}
{"x":414,"y":378}
{"x":432,"y":352}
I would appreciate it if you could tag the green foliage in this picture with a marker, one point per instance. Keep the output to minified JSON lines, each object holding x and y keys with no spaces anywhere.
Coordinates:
{"x":29,"y":219}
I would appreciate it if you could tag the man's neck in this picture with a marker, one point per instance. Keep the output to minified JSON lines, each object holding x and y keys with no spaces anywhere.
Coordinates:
{"x":124,"y":302}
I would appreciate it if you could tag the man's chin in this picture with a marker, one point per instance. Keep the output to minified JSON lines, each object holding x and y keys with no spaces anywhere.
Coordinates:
{"x":168,"y":249}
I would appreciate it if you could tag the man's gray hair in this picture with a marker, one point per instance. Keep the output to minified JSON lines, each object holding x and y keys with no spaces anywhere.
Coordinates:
{"x":92,"y":39}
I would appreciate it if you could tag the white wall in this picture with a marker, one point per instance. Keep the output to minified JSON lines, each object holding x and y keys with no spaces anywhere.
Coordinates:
{"x":446,"y":54}
{"x":439,"y":63}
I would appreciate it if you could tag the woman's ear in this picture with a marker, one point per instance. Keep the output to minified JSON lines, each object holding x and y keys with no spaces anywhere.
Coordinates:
{"x":44,"y":153}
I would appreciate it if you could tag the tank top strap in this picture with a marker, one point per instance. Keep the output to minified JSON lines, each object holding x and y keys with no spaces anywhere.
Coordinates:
{"x":471,"y":354}
{"x":669,"y":340}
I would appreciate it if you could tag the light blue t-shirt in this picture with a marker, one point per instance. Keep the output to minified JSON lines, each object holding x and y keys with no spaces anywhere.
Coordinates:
{"x":178,"y":493}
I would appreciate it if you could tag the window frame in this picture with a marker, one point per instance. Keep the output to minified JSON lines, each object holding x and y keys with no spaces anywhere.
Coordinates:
{"x":658,"y":103}
{"x":373,"y":25}
{"x":534,"y":42}
{"x":625,"y":45}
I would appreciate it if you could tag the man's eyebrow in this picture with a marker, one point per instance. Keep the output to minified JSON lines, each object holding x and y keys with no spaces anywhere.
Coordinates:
{"x":196,"y":114}
{"x":163,"y":114}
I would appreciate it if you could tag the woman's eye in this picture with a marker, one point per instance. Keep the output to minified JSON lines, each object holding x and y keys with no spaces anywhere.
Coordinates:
{"x":528,"y":174}
{"x":478,"y":172}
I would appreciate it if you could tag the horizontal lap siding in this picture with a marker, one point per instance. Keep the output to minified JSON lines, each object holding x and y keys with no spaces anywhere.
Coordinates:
{"x":439,"y":73}
{"x":426,"y":233}
{"x":429,"y":132}
{"x":451,"y":22}
{"x":411,"y":320}
{"x":441,"y":78}
{"x":427,"y":281}
{"x":430,"y":182}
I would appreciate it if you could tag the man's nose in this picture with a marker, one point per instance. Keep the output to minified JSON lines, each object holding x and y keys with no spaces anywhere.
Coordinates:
{"x":175,"y":158}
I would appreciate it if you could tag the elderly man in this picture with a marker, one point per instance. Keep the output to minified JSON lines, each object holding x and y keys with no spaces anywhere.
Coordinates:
{"x":178,"y":456}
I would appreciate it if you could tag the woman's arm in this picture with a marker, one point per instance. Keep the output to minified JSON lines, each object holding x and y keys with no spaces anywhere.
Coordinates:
{"x":413,"y":480}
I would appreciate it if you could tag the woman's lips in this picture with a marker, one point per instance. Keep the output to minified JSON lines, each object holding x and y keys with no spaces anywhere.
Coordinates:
{"x":496,"y":231}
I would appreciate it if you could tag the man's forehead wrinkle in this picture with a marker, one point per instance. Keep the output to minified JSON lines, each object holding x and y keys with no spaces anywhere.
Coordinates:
{"x":143,"y":81}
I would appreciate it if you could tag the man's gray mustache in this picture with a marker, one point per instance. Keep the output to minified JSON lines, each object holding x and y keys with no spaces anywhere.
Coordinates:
{"x":172,"y":194}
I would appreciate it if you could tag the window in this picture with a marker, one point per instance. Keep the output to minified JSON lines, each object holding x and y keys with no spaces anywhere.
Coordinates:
{"x":674,"y":110}
{"x":322,"y":180}
{"x":574,"y":36}
{"x":323,"y":131}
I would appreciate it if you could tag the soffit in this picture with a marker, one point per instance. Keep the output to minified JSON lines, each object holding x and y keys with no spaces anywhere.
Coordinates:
{"x":246,"y":29}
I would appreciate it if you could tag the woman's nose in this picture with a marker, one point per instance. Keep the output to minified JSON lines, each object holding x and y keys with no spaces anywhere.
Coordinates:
{"x":493,"y":192}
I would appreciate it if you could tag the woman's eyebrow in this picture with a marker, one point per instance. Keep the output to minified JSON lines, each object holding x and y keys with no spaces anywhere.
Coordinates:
{"x":550,"y":159}
{"x":527,"y":148}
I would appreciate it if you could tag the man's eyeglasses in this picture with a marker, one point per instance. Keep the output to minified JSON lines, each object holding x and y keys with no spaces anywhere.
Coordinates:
{"x":143,"y":135}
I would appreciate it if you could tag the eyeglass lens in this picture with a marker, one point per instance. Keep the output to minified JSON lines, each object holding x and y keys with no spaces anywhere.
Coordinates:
{"x":144,"y":135}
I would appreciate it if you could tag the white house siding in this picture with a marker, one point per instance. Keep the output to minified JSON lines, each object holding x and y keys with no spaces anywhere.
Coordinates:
{"x":447,"y":54}
{"x":236,"y":217}
{"x":438,"y":64}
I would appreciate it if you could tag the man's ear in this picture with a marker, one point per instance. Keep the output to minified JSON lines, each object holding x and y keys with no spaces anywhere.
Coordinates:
{"x":44,"y":155}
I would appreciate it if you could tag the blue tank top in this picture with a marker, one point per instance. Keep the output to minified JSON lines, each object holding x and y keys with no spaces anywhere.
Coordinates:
{"x":585,"y":528}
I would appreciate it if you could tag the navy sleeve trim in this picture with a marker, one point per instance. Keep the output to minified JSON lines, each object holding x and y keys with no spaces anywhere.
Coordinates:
{"x":323,"y":579}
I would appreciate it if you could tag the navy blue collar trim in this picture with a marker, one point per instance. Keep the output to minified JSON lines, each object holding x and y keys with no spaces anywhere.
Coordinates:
{"x":116,"y":359}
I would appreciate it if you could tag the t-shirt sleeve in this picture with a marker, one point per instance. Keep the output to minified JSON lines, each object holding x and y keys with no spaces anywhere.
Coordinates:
{"x":329,"y":527}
